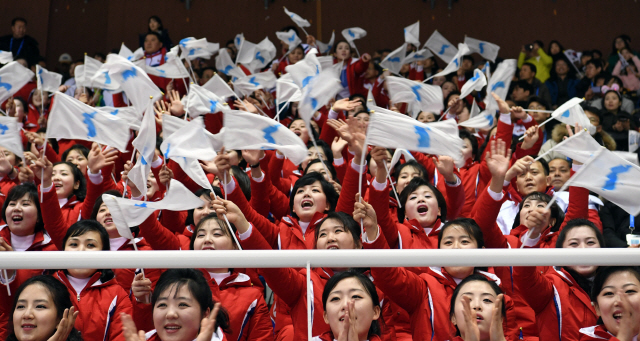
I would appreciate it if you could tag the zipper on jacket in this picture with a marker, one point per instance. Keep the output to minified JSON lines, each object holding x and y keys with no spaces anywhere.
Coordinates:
{"x":78,"y":297}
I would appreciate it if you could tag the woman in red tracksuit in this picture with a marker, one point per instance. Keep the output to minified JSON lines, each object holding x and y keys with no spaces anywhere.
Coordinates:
{"x":24,"y":231}
{"x":43,"y":302}
{"x":560,"y":297}
{"x":9,"y":175}
{"x":352,"y":307}
{"x":537,"y":229}
{"x":353,"y":70}
{"x":337,"y":231}
{"x":423,"y":206}
{"x":424,"y":293}
{"x":96,"y":294}
{"x":616,"y":297}
{"x":244,"y":302}
{"x":478,"y":311}
{"x":76,"y":197}
{"x":183,"y":309}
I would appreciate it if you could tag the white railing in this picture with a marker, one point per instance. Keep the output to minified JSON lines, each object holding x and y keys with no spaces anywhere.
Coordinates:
{"x":317,"y":258}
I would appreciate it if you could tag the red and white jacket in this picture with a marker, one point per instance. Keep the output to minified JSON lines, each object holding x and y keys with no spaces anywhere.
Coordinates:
{"x":598,"y":333}
{"x":561,"y":306}
{"x":217,"y":336}
{"x":99,"y":306}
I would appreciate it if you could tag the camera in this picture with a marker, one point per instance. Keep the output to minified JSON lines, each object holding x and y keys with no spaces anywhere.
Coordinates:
{"x":528,"y":47}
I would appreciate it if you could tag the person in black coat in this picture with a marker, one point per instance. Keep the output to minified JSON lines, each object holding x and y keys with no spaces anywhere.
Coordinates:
{"x":19,"y":43}
{"x":616,"y":224}
{"x":155,"y":25}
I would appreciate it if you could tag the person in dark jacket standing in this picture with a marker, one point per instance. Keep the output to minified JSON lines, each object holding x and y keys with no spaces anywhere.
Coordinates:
{"x":19,"y":43}
{"x":617,"y":224}
{"x":155,"y":25}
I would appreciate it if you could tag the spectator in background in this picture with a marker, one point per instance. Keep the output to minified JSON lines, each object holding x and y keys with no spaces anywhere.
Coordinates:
{"x":556,"y":50}
{"x":562,"y":83}
{"x":619,"y":43}
{"x":535,"y":55}
{"x":19,"y":43}
{"x":521,"y":92}
{"x":528,"y":73}
{"x":64,"y":66}
{"x":155,"y":25}
{"x":628,"y":74}
{"x":587,"y":86}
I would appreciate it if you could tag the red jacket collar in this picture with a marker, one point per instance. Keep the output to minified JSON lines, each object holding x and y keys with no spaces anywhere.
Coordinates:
{"x":40,"y":240}
{"x":93,"y":281}
{"x":416,"y":228}
{"x":317,"y":217}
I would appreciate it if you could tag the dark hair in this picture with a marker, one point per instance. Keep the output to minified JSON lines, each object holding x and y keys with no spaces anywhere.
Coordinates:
{"x":310,"y":128}
{"x":556,"y":211}
{"x":465,"y":134}
{"x":363,"y":111}
{"x":369,"y":288}
{"x":81,"y":191}
{"x":332,"y":171}
{"x":568,"y":161}
{"x":451,"y":94}
{"x":524,"y":85}
{"x":571,"y":72}
{"x":532,"y":67}
{"x":289,"y":28}
{"x":604,"y":272}
{"x":197,"y":286}
{"x":397,"y":169}
{"x":87,"y":225}
{"x":158,"y":20}
{"x":83,"y":226}
{"x":539,"y":101}
{"x":20,"y":191}
{"x":223,"y":225}
{"x":579,"y":223}
{"x":474,"y":278}
{"x":334,"y":48}
{"x":468,"y":57}
{"x":156,"y":34}
{"x":468,"y":225}
{"x":349,"y":224}
{"x":59,"y":296}
{"x":16,"y":19}
{"x":557,"y":43}
{"x":242,"y":179}
{"x":326,"y":149}
{"x":540,"y":43}
{"x":594,"y":111}
{"x":310,"y":178}
{"x":78,"y":148}
{"x":359,"y":97}
{"x":625,"y":38}
{"x":199,"y":193}
{"x":597,"y":63}
{"x":545,"y":166}
{"x":412,"y":186}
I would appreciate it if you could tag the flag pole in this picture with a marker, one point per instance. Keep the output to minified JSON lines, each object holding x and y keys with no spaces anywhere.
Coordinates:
{"x":360,"y":171}
{"x":539,"y":125}
{"x":44,"y":151}
{"x":355,"y":47}
{"x":225,"y":216}
{"x":6,"y":280}
{"x":135,"y":247}
{"x":309,"y":300}
{"x":534,"y":110}
{"x":391,"y":183}
{"x":303,"y":30}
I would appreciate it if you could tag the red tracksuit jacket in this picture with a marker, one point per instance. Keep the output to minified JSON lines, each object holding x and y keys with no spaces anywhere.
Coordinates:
{"x":99,"y":306}
{"x":596,"y":333}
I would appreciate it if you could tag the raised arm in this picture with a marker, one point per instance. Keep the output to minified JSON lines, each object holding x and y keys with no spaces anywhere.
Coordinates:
{"x":98,"y":159}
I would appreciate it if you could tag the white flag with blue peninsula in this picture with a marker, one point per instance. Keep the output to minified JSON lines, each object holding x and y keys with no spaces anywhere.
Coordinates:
{"x":571,"y":113}
{"x":128,"y":114}
{"x":248,"y":84}
{"x":402,"y":90}
{"x":612,"y":177}
{"x":399,"y":131}
{"x":441,"y":47}
{"x":475,"y":83}
{"x":486,"y":49}
{"x":353,"y":33}
{"x":304,"y":70}
{"x":219,"y":87}
{"x":243,"y":130}
{"x":319,"y":90}
{"x":145,"y":144}
{"x":301,"y":22}
{"x":290,"y":38}
{"x":71,"y":119}
{"x":417,"y":56}
{"x":128,"y":213}
{"x":394,"y":60}
{"x":10,"y":137}
{"x":225,"y":65}
{"x":132,"y":56}
{"x":326,"y":48}
{"x":47,"y":80}
{"x":13,"y":77}
{"x":455,"y":63}
{"x":500,"y":82}
{"x":412,"y":34}
{"x":201,"y":101}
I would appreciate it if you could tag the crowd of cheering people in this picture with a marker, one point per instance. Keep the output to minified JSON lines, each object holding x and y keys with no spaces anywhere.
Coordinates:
{"x":497,"y":199}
